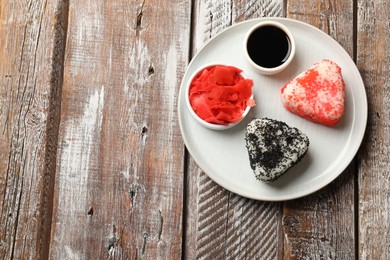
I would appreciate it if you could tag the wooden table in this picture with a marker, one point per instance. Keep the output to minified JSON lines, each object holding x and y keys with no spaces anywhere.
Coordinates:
{"x":92,"y":163}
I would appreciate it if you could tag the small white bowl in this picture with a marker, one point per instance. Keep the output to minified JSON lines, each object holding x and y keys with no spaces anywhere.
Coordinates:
{"x":277,"y":69}
{"x":200,"y":120}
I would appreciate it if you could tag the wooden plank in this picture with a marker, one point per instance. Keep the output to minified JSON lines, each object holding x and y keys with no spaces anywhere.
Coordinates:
{"x":119,"y":183}
{"x":208,"y":18}
{"x":373,"y":56}
{"x":32,"y":37}
{"x":220,"y":224}
{"x":321,"y":225}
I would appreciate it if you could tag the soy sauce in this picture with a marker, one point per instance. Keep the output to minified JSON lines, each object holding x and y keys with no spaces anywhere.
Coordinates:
{"x":269,"y":46}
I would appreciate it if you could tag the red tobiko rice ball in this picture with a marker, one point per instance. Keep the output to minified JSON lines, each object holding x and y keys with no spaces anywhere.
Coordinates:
{"x":220,"y":94}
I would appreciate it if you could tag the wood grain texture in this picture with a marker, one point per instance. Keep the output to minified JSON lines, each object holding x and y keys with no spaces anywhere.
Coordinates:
{"x":92,"y":164}
{"x":322,"y":225}
{"x":220,"y":224}
{"x":119,"y":183}
{"x":333,"y":17}
{"x":373,"y":56}
{"x":31,"y":55}
{"x":244,"y":10}
{"x":209,"y":18}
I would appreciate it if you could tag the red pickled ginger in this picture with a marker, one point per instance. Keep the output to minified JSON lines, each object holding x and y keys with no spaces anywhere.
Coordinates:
{"x":220,"y":94}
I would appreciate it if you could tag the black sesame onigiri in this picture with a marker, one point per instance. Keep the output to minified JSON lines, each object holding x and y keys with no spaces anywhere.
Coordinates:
{"x":273,"y":147}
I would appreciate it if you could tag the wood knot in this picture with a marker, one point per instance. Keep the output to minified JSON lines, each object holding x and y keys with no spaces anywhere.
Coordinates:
{"x":291,"y":224}
{"x":150,"y":70}
{"x":138,"y":24}
{"x":90,"y":211}
{"x":160,"y":229}
{"x":135,"y":188}
{"x":144,"y":130}
{"x":113,"y":240}
{"x":144,"y":134}
{"x":146,"y":236}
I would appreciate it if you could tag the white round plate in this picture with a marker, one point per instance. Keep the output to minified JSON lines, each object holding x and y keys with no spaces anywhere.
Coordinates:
{"x":222,"y":155}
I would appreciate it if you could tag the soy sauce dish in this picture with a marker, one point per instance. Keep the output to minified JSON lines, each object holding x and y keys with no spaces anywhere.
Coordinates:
{"x":219,"y":96}
{"x":269,"y":47}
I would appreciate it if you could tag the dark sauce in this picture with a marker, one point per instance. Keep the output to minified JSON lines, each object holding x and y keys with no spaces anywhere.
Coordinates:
{"x":268,"y":46}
